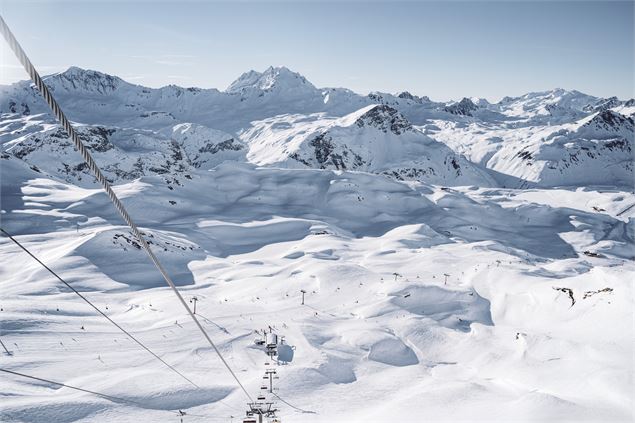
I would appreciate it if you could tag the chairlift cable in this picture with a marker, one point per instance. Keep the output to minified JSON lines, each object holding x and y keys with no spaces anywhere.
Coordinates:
{"x":106,"y":396}
{"x":96,"y":308}
{"x":293,"y":406}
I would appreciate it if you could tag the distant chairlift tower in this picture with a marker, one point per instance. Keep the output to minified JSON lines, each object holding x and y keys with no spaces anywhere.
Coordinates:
{"x":194,"y":300}
{"x":271,"y":346}
{"x":270,"y":374}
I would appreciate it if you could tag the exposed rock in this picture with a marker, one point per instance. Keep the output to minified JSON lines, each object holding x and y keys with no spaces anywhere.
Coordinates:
{"x":385,"y":118}
{"x":465,"y":107}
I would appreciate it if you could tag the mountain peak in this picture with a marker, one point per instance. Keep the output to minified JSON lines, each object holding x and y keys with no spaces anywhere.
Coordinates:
{"x":611,"y":121}
{"x":78,"y":79}
{"x":73,"y":70}
{"x":77,"y":72}
{"x":465,"y":107}
{"x":273,"y":78}
{"x":384,"y":118}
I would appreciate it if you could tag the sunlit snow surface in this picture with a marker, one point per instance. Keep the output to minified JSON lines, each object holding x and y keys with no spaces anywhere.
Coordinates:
{"x":383,"y":336}
{"x":497,"y":341}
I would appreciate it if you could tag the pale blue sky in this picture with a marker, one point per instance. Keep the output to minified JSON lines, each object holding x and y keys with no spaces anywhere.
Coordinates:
{"x":445,"y":50}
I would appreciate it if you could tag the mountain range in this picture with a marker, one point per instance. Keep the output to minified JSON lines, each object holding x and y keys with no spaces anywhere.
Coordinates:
{"x":277,"y":118}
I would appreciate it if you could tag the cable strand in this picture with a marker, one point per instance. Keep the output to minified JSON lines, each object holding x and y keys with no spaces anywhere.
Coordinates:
{"x":108,"y":397}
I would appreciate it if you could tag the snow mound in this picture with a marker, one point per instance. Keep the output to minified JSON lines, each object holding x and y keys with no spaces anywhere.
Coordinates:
{"x":119,"y":256}
{"x":392,"y":352}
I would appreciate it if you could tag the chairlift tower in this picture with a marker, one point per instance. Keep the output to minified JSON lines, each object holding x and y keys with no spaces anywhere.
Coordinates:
{"x":271,"y":374}
{"x":194,"y":299}
{"x":271,"y":345}
{"x":259,"y":410}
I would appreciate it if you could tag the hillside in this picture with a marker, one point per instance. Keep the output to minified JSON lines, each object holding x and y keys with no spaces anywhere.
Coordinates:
{"x":461,"y":261}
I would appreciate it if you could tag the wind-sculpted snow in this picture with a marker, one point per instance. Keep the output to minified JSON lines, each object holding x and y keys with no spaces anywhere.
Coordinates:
{"x":445,"y":277}
{"x":120,"y":246}
{"x":453,"y":309}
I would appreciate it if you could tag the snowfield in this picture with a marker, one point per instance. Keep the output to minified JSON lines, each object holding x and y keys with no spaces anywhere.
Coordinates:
{"x":462,"y":261}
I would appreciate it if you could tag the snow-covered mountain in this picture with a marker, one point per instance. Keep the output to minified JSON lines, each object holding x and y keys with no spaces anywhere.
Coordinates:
{"x":126,"y":154}
{"x":375,"y":139}
{"x":594,"y":150}
{"x":280,"y":81}
{"x":96,"y":98}
{"x":278,"y":118}
{"x":552,"y":106}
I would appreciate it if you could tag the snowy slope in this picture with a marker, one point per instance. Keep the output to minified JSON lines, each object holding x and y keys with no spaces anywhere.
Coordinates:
{"x":381,"y":324}
{"x":595,"y":150}
{"x":554,"y":106}
{"x":127,"y":154}
{"x":374,"y":139}
{"x":446,"y":278}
